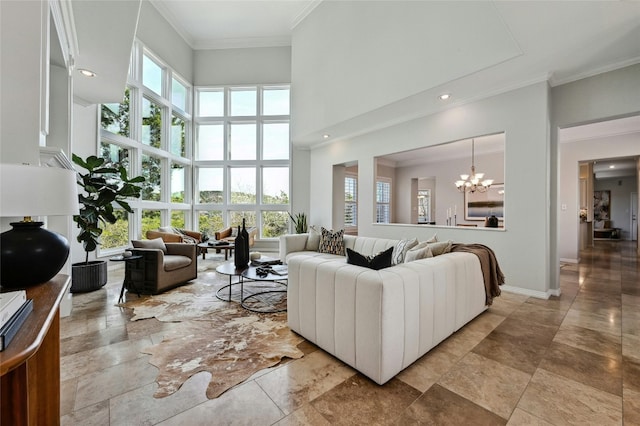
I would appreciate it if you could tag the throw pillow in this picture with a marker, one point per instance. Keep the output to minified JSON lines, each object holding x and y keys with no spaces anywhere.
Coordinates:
{"x":418,"y":253}
{"x":377,"y":262}
{"x":440,"y":248}
{"x":234,"y":231}
{"x":167,"y":229}
{"x":156,"y":243}
{"x":331,"y":242}
{"x":401,"y":249}
{"x":313,"y":240}
{"x":433,"y":239}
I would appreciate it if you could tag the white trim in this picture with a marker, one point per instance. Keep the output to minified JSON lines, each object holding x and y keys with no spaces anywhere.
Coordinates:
{"x":568,"y":260}
{"x":532,"y":293}
{"x":305,"y":12}
{"x":594,"y":71}
{"x":62,"y":14}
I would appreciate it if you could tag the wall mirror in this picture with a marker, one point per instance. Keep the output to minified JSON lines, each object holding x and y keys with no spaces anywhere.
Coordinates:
{"x":422,"y":187}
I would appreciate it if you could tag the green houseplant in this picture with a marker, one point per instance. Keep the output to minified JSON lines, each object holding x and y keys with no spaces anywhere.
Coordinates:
{"x":103,"y":186}
{"x":299,"y":222}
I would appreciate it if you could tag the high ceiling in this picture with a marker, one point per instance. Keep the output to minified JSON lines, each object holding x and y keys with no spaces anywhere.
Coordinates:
{"x":219,"y":24}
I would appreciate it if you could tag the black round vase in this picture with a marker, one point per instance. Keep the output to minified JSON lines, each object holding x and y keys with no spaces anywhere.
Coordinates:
{"x":30,"y":255}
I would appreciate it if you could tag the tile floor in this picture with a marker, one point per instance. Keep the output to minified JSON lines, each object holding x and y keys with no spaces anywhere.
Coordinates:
{"x":573,"y":359}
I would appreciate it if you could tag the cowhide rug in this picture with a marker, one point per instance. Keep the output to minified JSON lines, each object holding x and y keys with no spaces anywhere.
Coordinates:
{"x":220,"y":337}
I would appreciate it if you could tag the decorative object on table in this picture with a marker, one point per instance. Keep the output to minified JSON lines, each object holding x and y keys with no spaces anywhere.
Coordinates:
{"x":28,"y":191}
{"x":104,"y":186}
{"x":239,"y":260}
{"x":472,"y":183}
{"x":491,"y":222}
{"x":245,"y":235}
{"x":299,"y":222}
{"x":10,"y":302}
{"x":9,"y":330}
{"x":254,"y":255}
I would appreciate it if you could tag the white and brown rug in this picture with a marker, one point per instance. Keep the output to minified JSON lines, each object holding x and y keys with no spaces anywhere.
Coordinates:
{"x":220,"y":337}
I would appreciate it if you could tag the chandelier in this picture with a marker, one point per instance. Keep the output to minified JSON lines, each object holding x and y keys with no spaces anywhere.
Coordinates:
{"x":473,"y":182}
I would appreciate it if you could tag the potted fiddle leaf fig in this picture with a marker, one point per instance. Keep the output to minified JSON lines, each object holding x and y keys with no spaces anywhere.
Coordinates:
{"x":103,"y":186}
{"x":299,"y":222}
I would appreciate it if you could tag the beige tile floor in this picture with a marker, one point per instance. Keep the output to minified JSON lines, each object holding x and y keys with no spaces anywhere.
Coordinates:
{"x":573,"y":359}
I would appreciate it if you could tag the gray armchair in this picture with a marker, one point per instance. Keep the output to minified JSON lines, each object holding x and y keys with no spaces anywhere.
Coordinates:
{"x":163,"y":266}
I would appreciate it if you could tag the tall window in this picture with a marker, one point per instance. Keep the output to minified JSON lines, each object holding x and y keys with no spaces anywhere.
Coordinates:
{"x":149,"y":132}
{"x":383,"y":201}
{"x":241,"y":157}
{"x":350,"y":201}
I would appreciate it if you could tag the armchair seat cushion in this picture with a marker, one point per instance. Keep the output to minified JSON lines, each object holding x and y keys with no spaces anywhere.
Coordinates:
{"x":173,"y":262}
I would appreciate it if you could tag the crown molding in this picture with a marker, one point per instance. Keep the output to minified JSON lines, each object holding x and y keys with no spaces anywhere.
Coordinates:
{"x":243,"y":43}
{"x":168,"y":16}
{"x":553,"y":81}
{"x":305,"y":12}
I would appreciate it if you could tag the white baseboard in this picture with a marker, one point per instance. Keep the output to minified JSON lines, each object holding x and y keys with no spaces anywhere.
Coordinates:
{"x":567,"y":260}
{"x":533,"y":293}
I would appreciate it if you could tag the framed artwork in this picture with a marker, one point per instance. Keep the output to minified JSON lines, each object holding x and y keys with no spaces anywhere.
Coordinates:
{"x":602,"y":205}
{"x":480,"y":205}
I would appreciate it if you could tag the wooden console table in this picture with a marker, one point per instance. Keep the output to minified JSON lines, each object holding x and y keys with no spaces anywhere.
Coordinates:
{"x":30,"y":365}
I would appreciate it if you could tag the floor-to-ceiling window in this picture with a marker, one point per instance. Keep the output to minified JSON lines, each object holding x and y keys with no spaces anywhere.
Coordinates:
{"x":149,"y":132}
{"x":241,"y":158}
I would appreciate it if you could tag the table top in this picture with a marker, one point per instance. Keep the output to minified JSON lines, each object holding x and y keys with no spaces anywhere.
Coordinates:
{"x":229,"y":268}
{"x":121,"y":258}
{"x":249,"y":272}
{"x":218,"y":246}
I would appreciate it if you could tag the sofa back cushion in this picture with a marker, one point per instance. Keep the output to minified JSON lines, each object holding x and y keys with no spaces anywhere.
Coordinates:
{"x":368,"y":245}
{"x":377,"y":262}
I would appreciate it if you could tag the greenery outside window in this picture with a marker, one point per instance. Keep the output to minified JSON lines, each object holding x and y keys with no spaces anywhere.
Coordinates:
{"x":178,"y":137}
{"x":211,"y":185}
{"x":151,"y":123}
{"x":151,"y":171}
{"x":116,"y":235}
{"x":177,"y":219}
{"x":115,"y":118}
{"x":274,"y":223}
{"x":210,"y":221}
{"x":178,"y":177}
{"x":150,"y":221}
{"x":243,"y":185}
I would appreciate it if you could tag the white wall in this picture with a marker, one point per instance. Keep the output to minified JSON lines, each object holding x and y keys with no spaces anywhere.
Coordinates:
{"x":523,"y":248}
{"x":571,"y":153}
{"x":266,"y":65}
{"x":159,"y":36}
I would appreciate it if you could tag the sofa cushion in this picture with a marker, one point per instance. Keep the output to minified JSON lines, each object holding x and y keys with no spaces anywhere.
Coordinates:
{"x":401,"y":249}
{"x":331,"y":242}
{"x":313,"y":240}
{"x":418,"y":253}
{"x":377,"y":262}
{"x":441,"y":247}
{"x":155,"y":243}
{"x":173,"y":262}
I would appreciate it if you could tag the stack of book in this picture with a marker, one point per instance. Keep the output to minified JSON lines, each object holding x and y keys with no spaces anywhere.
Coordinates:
{"x":14,"y":310}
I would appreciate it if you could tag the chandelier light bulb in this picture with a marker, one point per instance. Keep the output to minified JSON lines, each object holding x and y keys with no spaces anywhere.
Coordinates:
{"x":473,"y":182}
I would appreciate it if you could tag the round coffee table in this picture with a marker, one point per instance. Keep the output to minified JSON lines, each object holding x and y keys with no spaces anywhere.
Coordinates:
{"x":251,"y":274}
{"x":229,"y":268}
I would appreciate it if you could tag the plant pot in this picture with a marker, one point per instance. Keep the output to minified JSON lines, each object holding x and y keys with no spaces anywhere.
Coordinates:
{"x":88,"y":276}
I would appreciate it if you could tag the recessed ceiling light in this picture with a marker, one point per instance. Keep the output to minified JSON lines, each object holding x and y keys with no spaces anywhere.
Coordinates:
{"x":612,"y":166}
{"x":87,"y":73}
{"x":444,"y":96}
{"x":326,"y":136}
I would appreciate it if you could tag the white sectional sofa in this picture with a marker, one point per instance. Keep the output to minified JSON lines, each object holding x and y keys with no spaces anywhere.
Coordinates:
{"x":378,"y":321}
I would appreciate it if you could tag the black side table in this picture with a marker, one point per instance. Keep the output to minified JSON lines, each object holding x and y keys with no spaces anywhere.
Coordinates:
{"x":122,"y":258}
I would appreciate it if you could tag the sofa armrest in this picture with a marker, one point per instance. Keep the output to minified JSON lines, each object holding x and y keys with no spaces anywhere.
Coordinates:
{"x":193,"y":234}
{"x":188,"y":250}
{"x":291,"y":243}
{"x":223,"y":233}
